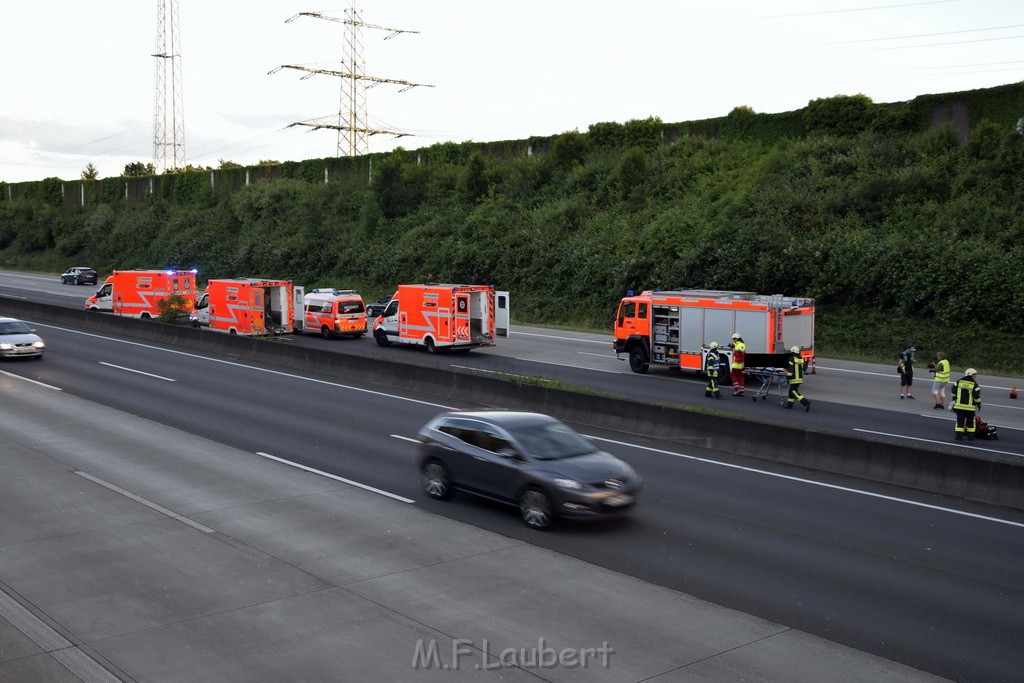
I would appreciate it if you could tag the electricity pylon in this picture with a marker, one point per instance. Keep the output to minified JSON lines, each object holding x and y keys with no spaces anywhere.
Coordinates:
{"x":169,"y":111}
{"x":352,"y":120}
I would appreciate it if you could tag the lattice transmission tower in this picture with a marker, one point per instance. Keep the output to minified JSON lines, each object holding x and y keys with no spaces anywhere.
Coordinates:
{"x":352,"y":121}
{"x":168,"y":110}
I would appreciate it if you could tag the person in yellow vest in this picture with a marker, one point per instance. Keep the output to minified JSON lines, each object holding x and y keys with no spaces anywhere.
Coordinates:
{"x":795,"y":377}
{"x":940,"y":383}
{"x":739,"y":353}
{"x":711,"y":364}
{"x":966,"y":404}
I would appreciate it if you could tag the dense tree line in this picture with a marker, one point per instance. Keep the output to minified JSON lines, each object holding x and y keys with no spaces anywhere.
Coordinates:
{"x":901,"y":231}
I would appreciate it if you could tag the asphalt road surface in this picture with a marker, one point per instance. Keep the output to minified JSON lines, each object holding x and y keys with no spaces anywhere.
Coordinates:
{"x":930,"y":582}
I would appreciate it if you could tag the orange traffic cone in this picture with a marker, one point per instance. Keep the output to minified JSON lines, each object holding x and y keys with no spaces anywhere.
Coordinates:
{"x":1013,"y":392}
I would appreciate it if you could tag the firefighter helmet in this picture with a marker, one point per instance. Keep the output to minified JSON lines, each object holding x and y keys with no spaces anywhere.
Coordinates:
{"x":795,"y":349}
{"x":713,"y":345}
{"x":736,"y":335}
{"x":971,"y":372}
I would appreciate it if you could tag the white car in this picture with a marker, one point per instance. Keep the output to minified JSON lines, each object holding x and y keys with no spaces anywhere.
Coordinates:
{"x":18,"y":340}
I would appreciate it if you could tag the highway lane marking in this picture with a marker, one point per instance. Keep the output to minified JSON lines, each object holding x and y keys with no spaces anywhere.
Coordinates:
{"x":810,"y":481}
{"x":356,"y":484}
{"x":26,"y":379}
{"x":887,"y":374}
{"x":553,"y":336}
{"x":952,"y":418}
{"x":13,"y":296}
{"x":140,"y":372}
{"x":148,"y":503}
{"x":935,"y":441}
{"x":564,"y":365}
{"x":253,"y":367}
{"x":69,"y":655}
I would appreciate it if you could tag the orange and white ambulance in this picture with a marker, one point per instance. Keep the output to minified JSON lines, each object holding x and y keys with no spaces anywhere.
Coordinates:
{"x":333,"y":313}
{"x":438,"y":317}
{"x":138,"y":293}
{"x":675,"y":328}
{"x":248,"y":306}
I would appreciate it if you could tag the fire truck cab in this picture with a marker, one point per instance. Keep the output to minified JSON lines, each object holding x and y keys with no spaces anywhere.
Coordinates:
{"x":139,"y":293}
{"x":247,"y":306}
{"x":675,"y":328}
{"x":438,"y":317}
{"x":332,"y":313}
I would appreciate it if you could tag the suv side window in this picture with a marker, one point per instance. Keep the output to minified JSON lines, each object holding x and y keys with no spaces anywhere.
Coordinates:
{"x":477,"y":434}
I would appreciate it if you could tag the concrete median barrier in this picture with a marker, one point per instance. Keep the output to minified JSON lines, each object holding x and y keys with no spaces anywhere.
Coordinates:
{"x":988,"y":479}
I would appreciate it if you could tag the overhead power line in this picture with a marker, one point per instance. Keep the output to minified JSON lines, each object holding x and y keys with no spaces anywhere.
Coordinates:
{"x":352,"y":120}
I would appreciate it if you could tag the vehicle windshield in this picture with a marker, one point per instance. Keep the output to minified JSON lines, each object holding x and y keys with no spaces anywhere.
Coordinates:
{"x":14,"y":327}
{"x":551,"y":441}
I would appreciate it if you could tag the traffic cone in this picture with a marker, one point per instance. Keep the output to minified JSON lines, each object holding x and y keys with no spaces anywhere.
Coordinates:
{"x":1013,"y":392}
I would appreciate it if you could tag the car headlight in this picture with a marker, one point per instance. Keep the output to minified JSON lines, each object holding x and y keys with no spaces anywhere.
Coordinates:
{"x":568,"y":484}
{"x":39,"y":345}
{"x":6,"y":347}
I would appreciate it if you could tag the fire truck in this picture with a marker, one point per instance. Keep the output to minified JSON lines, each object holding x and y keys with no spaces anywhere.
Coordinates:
{"x":138,"y":293}
{"x":438,"y":317}
{"x":675,"y":328}
{"x":332,"y":313}
{"x":248,"y":306}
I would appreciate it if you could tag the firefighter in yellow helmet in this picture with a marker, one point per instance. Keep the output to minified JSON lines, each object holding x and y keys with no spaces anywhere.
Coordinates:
{"x":966,"y":404}
{"x":712,"y":363}
{"x":795,"y":377}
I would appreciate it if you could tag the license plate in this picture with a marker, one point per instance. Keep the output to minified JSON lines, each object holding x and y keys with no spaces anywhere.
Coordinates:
{"x":619,"y":500}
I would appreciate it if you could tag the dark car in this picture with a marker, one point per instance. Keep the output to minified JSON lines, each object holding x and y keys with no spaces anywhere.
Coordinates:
{"x":79,"y":275}
{"x":532,"y":461}
{"x":376,"y":308}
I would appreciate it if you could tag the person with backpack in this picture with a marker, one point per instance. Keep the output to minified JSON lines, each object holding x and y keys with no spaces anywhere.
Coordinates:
{"x":906,"y":368}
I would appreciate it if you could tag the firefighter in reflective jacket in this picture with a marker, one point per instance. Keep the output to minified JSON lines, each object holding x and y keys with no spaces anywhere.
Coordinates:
{"x":712,"y":362}
{"x":739,"y":354}
{"x":795,"y":377}
{"x":966,"y":404}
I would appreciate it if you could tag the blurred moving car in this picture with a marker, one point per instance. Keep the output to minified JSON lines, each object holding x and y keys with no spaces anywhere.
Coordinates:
{"x":79,"y":275}
{"x":18,"y":340}
{"x":530,"y":460}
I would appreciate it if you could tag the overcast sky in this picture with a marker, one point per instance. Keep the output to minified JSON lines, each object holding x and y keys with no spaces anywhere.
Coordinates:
{"x":78,"y":80}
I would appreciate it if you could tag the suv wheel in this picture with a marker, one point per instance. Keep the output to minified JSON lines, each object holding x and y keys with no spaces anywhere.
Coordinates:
{"x":535,"y":509}
{"x":436,"y":482}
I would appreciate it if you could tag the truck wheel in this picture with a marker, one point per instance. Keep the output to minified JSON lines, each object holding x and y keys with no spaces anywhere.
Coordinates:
{"x":325,"y":332}
{"x":638,"y":361}
{"x":431,"y":347}
{"x":144,"y":316}
{"x":382,"y":339}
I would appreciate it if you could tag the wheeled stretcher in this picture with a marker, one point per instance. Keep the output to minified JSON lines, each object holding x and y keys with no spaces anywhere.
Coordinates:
{"x":768,"y":377}
{"x":769,"y":370}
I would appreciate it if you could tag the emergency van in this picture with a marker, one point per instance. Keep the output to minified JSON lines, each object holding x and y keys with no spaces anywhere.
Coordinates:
{"x":438,"y":317}
{"x":676,"y":328}
{"x":138,"y":293}
{"x":332,"y":313}
{"x":248,"y":306}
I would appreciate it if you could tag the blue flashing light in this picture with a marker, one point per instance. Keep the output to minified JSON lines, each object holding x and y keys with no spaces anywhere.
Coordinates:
{"x":629,"y":292}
